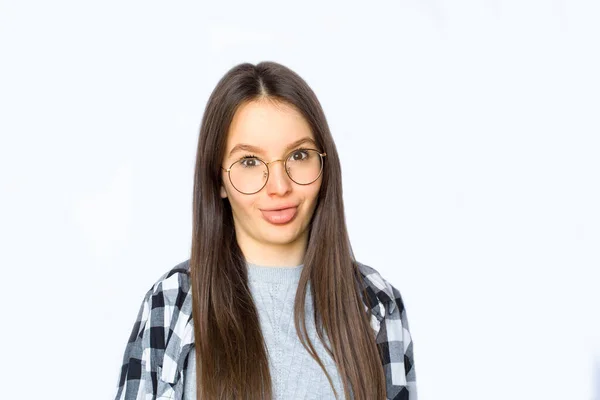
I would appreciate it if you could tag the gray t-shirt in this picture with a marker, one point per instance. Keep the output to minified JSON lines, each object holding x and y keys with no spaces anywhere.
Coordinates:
{"x":295,"y":375}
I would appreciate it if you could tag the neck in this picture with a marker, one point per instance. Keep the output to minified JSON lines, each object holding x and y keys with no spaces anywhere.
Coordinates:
{"x":274,"y":255}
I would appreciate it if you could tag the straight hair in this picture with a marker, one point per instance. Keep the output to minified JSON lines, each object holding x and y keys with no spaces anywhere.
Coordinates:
{"x":231,"y":355}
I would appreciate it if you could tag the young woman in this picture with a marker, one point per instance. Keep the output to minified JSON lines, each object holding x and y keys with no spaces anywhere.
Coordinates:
{"x":271,"y":303}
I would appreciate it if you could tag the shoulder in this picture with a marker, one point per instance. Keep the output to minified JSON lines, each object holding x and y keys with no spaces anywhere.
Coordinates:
{"x":170,"y":324}
{"x":380,"y":290}
{"x":171,"y":289}
{"x":162,"y":334}
{"x":169,"y":293}
{"x":178,"y":277}
{"x":168,"y":302}
{"x":169,"y":299}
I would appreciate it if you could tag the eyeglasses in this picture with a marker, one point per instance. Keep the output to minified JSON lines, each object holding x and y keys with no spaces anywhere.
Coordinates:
{"x":250,"y":174}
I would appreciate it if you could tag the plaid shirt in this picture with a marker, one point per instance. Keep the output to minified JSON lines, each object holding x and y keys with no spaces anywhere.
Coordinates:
{"x":155,"y":359}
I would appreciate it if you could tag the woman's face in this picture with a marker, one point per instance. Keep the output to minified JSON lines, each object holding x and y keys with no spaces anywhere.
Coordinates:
{"x":270,"y":131}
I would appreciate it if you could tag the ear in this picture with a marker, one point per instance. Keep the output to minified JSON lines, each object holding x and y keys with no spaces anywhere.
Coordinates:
{"x":223,"y":192}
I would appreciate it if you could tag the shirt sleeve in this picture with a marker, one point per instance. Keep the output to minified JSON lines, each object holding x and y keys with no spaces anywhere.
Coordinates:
{"x":396,"y":346}
{"x":135,"y":378}
{"x":409,"y":359}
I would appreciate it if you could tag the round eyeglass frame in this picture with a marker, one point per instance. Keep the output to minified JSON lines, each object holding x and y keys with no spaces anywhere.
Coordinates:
{"x":321,"y":155}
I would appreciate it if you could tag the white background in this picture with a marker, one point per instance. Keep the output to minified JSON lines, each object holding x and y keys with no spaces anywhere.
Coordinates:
{"x":469,"y":138}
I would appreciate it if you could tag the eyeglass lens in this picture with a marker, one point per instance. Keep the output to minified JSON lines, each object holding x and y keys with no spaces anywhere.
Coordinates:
{"x":249,"y":175}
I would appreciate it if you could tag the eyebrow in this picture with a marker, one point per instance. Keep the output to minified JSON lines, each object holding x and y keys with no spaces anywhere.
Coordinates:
{"x":255,"y":149}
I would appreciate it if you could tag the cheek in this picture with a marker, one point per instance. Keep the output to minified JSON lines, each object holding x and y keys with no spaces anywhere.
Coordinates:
{"x":241,"y":203}
{"x":312,"y":191}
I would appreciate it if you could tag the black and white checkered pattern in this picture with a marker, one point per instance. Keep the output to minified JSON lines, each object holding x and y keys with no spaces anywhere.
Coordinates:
{"x":154,"y":362}
{"x":393,"y":337}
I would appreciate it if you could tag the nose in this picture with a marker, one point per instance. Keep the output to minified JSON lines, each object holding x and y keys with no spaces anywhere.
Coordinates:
{"x":279,"y":182}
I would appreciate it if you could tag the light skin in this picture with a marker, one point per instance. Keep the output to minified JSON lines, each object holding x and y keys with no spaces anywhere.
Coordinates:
{"x":271,"y":128}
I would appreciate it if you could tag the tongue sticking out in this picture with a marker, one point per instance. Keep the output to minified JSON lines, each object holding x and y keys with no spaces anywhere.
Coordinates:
{"x":279,"y":217}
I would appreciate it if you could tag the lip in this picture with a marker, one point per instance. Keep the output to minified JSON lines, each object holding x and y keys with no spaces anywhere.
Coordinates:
{"x":280,"y":216}
{"x":283,"y":207}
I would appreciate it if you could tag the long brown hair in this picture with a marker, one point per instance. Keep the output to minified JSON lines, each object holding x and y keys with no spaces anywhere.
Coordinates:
{"x":231,"y":357}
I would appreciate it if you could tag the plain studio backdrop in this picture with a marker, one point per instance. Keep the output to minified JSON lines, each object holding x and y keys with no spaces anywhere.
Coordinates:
{"x":468,"y":133}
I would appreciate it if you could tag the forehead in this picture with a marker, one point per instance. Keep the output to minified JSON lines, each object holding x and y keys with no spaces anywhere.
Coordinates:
{"x":267,"y":124}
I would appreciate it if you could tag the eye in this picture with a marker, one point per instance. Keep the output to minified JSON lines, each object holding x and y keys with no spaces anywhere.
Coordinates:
{"x":299,"y":155}
{"x":249,"y":162}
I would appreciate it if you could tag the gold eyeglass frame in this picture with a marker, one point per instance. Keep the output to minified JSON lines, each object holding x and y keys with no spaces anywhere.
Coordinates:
{"x":228,"y":170}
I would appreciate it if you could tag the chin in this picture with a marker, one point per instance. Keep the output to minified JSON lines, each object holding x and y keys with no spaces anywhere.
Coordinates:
{"x":281,"y":235}
{"x":280,"y":239}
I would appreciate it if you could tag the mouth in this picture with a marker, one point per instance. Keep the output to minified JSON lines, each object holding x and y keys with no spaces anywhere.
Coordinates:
{"x":280,"y":216}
